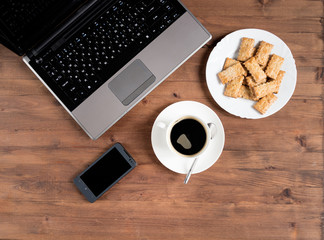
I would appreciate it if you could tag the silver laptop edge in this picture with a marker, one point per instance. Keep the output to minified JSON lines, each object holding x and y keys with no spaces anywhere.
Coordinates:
{"x":102,"y":109}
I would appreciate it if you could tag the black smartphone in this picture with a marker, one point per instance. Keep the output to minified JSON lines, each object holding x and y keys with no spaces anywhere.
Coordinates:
{"x":105,"y":172}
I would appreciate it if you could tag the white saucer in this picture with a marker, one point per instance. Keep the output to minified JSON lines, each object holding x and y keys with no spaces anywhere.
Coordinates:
{"x":172,"y":160}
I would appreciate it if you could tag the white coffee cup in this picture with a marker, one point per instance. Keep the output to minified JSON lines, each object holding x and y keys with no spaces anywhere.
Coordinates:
{"x":186,"y":145}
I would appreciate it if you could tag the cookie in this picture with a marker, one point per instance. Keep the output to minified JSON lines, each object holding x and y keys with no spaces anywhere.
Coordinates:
{"x":230,"y":62}
{"x":263,"y":53}
{"x":233,"y":87}
{"x":278,"y":80}
{"x":245,"y":93}
{"x":274,"y":66}
{"x":264,"y":89}
{"x":255,"y":70}
{"x":231,"y":73}
{"x":246,"y":49}
{"x":264,"y":103}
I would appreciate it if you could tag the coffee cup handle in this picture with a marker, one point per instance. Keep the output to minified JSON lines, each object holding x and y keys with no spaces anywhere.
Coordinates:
{"x":213,"y":129}
{"x":161,"y":125}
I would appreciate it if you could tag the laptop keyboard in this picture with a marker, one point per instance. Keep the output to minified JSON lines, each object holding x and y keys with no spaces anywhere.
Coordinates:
{"x":93,"y":55}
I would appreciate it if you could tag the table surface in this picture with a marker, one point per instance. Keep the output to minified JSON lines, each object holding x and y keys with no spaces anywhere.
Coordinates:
{"x":267,"y":184}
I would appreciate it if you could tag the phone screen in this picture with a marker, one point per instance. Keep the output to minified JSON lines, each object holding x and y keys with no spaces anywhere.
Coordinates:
{"x":105,"y":172}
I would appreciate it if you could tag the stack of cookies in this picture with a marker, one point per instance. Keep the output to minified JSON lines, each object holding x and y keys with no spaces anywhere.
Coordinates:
{"x":255,"y":75}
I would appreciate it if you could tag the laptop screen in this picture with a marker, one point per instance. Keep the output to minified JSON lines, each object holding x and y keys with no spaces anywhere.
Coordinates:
{"x":25,"y":22}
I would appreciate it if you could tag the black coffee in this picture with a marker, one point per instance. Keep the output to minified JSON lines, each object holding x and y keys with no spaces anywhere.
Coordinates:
{"x":188,"y":136}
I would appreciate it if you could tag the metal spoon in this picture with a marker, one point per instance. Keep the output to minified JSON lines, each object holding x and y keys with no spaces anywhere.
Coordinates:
{"x":213,"y":133}
{"x":190,"y":171}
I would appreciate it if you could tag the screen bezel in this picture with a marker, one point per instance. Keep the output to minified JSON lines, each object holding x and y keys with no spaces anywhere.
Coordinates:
{"x":86,"y":191}
{"x":47,"y":22}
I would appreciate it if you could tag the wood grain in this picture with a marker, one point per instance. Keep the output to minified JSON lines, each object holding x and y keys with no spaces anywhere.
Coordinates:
{"x":267,"y":184}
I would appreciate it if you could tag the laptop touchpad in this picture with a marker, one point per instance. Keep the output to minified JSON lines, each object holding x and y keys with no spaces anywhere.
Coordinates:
{"x":131,"y":82}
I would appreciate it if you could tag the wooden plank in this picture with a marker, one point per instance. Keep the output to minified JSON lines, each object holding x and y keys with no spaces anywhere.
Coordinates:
{"x":166,"y":218}
{"x":274,"y":9}
{"x":273,"y":187}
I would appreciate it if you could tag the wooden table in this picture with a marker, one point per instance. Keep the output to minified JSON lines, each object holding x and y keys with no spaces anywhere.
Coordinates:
{"x":267,"y":184}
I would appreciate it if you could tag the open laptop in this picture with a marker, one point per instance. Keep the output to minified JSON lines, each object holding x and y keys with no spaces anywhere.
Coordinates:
{"x":100,"y":58}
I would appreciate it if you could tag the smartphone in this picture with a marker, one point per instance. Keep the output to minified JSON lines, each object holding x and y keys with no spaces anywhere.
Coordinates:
{"x":105,"y":172}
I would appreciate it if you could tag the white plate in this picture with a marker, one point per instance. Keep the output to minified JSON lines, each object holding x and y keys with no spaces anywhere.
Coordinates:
{"x":228,"y":47}
{"x":175,"y":162}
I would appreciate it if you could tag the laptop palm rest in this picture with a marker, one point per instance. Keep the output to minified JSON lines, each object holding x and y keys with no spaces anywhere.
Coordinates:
{"x":131,"y":82}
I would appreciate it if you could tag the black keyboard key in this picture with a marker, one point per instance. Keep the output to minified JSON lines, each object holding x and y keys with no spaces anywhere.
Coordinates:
{"x":168,"y":7}
{"x":140,"y":7}
{"x":121,"y":3}
{"x":156,"y":15}
{"x":89,"y":86}
{"x":76,"y":99}
{"x":155,"y":29}
{"x":73,"y":90}
{"x":162,"y":26}
{"x":46,"y":66}
{"x":65,"y":85}
{"x":151,"y":9}
{"x":147,"y":2}
{"x":162,"y":2}
{"x":52,"y":73}
{"x":175,"y":15}
{"x":82,"y":93}
{"x":168,"y":21}
{"x":58,"y":78}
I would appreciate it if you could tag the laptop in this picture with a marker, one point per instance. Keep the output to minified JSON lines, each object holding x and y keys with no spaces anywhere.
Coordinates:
{"x":100,"y":58}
